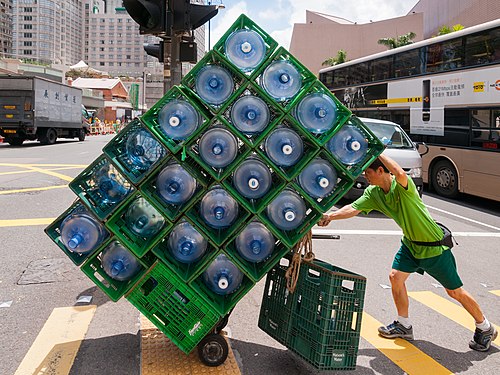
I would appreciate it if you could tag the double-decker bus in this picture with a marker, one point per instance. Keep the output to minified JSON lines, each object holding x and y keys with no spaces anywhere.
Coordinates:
{"x":444,"y":91}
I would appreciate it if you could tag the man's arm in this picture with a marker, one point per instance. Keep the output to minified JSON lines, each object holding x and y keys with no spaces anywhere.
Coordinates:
{"x":395,"y":169}
{"x":344,"y":213}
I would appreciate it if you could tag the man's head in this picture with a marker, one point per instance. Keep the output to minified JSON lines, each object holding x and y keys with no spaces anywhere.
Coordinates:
{"x":376,"y":173}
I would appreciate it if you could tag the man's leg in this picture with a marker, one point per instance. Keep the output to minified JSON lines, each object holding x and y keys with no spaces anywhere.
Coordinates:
{"x":468,"y":302}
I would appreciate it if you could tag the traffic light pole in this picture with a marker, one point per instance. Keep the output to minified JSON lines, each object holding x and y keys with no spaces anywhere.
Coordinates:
{"x":172,"y":67}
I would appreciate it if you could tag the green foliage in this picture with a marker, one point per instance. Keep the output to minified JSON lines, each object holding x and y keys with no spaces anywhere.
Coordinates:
{"x":445,"y":29}
{"x":339,"y":59}
{"x":399,"y":41}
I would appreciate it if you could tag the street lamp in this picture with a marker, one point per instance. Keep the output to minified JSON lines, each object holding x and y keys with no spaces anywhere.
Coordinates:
{"x":220,"y":6}
{"x":144,"y":80}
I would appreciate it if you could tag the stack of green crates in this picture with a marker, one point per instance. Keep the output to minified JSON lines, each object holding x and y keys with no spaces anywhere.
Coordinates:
{"x":172,"y":294}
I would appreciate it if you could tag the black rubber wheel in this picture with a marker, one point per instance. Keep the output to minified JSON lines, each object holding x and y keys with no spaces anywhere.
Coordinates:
{"x":222,"y":324}
{"x":213,"y":350}
{"x":81,"y":135}
{"x":49,"y":138}
{"x":445,"y":179}
{"x":15,"y":141}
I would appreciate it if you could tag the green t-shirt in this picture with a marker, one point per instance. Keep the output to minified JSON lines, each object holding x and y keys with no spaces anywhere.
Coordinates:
{"x":406,"y":208}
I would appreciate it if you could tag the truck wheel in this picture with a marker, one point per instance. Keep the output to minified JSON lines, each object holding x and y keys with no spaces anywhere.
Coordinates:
{"x":81,"y":135}
{"x":49,"y":138}
{"x":445,"y":179}
{"x":213,"y":350}
{"x":15,"y":141}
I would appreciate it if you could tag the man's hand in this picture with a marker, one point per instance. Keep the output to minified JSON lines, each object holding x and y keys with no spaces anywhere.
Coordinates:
{"x":324,"y":221}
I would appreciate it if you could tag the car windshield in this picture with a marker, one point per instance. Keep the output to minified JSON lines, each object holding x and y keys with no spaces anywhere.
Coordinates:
{"x":390,"y":134}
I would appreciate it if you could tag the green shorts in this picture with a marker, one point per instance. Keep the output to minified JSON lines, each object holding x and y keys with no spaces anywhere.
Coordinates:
{"x":443,"y":267}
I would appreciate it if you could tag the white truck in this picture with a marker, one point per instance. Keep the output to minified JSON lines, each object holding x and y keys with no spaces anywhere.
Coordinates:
{"x":35,"y":108}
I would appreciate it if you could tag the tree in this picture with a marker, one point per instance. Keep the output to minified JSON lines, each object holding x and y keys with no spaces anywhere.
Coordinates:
{"x":445,"y":29}
{"x":339,"y":59}
{"x":399,"y":41}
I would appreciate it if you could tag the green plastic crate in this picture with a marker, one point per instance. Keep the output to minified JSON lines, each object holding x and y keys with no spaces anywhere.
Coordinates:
{"x":308,"y":78}
{"x":217,"y":236}
{"x":173,"y":211}
{"x":343,"y":113}
{"x":114,"y":289}
{"x":343,"y":184}
{"x":214,"y":58}
{"x":139,"y":245}
{"x":218,"y":173}
{"x":275,"y":114}
{"x":54,"y":232}
{"x":375,"y":148}
{"x":173,"y":307}
{"x":310,"y":149}
{"x":222,"y":304}
{"x":151,"y":118}
{"x":291,"y":237}
{"x":245,"y":23}
{"x":278,"y":183}
{"x":116,"y":150}
{"x":87,"y":186}
{"x":256,"y":270}
{"x":185,"y":271}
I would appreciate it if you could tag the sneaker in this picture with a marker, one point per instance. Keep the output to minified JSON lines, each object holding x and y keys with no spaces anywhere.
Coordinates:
{"x":482,"y":339}
{"x":396,"y":330}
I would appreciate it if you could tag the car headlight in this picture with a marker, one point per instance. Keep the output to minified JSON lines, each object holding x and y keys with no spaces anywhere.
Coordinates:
{"x":415,"y":172}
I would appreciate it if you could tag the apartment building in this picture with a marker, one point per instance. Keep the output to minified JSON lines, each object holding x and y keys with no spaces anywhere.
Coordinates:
{"x":5,"y":28}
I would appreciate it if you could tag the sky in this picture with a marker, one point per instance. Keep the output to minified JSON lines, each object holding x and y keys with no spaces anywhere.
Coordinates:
{"x":277,"y":17}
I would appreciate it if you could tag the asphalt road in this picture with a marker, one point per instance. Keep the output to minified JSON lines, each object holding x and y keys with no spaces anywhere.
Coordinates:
{"x":31,"y":290}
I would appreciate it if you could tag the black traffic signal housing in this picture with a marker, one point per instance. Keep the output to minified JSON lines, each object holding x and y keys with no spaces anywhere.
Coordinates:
{"x":151,"y":15}
{"x":156,"y":50}
{"x":187,"y":16}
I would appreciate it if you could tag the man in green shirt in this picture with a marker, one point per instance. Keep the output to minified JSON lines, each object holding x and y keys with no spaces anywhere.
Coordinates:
{"x":395,"y":195}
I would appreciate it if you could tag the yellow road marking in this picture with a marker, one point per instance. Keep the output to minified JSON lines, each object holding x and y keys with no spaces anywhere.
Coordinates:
{"x":35,"y":171}
{"x":449,"y":309}
{"x":495,"y":292}
{"x":40,"y":170}
{"x":405,"y":355}
{"x":55,"y":348}
{"x":4,"y":192}
{"x":43,"y":165}
{"x":25,"y":222}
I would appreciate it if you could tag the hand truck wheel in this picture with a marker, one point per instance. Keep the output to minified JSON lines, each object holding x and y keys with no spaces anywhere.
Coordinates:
{"x":213,"y":350}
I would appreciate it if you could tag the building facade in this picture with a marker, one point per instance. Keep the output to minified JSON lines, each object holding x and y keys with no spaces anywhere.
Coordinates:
{"x":5,"y":28}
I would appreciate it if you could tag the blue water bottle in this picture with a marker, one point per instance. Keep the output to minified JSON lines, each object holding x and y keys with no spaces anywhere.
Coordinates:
{"x":142,"y":150}
{"x":179,"y":119}
{"x":250,"y":114}
{"x":80,"y":232}
{"x":110,"y":189}
{"x":318,"y":178}
{"x":143,"y":219}
{"x":287,"y":211}
{"x":348,"y":145}
{"x":284,"y":147}
{"x":218,"y":209}
{"x":186,"y":244}
{"x":317,"y":113}
{"x":255,"y":243}
{"x":218,"y":147}
{"x":175,"y":185}
{"x":245,"y":49}
{"x":252,"y":179}
{"x":222,"y":276}
{"x":119,"y":263}
{"x":281,"y":80}
{"x":214,"y":84}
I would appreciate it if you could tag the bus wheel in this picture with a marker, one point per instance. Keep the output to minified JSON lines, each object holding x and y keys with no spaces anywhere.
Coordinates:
{"x":445,"y":179}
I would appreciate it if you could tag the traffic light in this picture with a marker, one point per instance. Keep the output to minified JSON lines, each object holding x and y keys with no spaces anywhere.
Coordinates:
{"x":151,"y":15}
{"x":156,"y":50}
{"x":187,"y":16}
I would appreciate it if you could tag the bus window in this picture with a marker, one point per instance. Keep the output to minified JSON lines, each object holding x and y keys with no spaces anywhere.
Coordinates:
{"x":482,"y":48}
{"x":382,"y":68}
{"x":407,"y":64}
{"x":485,"y":132}
{"x":359,"y":73}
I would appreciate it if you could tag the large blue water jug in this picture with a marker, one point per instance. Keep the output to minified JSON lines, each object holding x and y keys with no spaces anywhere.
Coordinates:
{"x":110,"y":187}
{"x":318,"y":178}
{"x":179,"y":119}
{"x":143,"y":219}
{"x":214,"y":84}
{"x":218,"y":147}
{"x":348,"y":145}
{"x":186,"y":244}
{"x":250,"y":114}
{"x":255,"y":243}
{"x":284,"y":147}
{"x":119,"y":263}
{"x":175,"y":185}
{"x":80,"y":232}
{"x":245,"y":49}
{"x":287,"y":211}
{"x":317,"y":113}
{"x":222,"y":276}
{"x":218,"y":208}
{"x":143,"y":150}
{"x":252,"y":179}
{"x":281,"y":80}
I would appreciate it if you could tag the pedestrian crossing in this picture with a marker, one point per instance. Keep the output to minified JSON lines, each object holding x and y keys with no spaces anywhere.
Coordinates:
{"x":57,"y":344}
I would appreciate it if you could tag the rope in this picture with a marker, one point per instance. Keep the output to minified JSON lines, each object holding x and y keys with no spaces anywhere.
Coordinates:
{"x":303,"y":247}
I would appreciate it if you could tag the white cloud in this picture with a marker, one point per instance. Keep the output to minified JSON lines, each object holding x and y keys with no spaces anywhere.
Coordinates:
{"x":225,"y":19}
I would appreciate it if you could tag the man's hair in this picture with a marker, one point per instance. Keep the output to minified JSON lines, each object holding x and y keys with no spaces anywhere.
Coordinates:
{"x":378,"y":163}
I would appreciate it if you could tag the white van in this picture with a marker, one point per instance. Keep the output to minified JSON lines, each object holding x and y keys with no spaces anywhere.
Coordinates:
{"x":399,"y":147}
